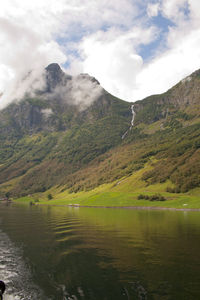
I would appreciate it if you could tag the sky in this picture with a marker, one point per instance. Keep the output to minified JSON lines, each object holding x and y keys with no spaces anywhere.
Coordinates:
{"x":133,"y":48}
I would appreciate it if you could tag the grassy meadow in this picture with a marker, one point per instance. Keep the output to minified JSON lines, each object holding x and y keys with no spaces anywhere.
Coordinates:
{"x":121,"y":193}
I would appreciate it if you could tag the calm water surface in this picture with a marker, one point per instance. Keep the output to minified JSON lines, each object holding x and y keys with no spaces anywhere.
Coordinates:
{"x":86,"y":253}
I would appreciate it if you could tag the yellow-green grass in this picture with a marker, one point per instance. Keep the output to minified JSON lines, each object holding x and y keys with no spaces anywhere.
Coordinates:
{"x":6,"y":186}
{"x":152,"y":128}
{"x":26,"y":199}
{"x":122,"y":193}
{"x":117,"y":199}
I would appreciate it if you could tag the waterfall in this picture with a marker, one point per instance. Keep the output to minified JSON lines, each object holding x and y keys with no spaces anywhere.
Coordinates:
{"x":133,"y":116}
{"x":132,"y":121}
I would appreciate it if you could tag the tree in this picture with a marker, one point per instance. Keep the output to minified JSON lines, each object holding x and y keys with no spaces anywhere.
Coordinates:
{"x":50,"y":196}
{"x":7,"y":194}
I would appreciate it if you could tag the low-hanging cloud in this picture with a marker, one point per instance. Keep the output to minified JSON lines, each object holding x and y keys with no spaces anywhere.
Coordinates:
{"x":112,"y":58}
{"x":80,"y":91}
{"x":32,"y":33}
{"x":27,"y":86}
{"x":83,"y":91}
{"x":102,"y":38}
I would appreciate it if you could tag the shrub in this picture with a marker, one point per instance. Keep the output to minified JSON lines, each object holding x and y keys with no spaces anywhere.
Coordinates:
{"x":7,"y":195}
{"x":155,"y":197}
{"x":50,"y":196}
{"x":169,"y":190}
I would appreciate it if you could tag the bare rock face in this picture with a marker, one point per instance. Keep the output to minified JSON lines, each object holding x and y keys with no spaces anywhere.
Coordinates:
{"x":187,"y":91}
{"x":183,"y":97}
{"x":55,"y":77}
{"x":88,"y":77}
{"x":60,"y":104}
{"x":54,"y":109}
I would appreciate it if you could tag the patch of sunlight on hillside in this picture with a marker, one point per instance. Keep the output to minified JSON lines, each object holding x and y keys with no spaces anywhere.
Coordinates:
{"x":8,"y":185}
{"x":195,"y":192}
{"x":152,"y":128}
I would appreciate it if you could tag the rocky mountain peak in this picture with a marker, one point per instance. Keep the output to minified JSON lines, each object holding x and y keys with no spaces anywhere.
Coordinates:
{"x":53,"y":67}
{"x":55,"y":76}
{"x":88,"y":77}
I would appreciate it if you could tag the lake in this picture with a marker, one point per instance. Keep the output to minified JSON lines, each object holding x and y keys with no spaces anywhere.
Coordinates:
{"x":97,"y":253}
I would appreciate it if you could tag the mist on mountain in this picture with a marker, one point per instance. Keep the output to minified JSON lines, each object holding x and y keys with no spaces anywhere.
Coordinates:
{"x":52,"y":83}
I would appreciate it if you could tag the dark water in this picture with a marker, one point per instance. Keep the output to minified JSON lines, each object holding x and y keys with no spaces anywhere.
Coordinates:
{"x":86,"y":253}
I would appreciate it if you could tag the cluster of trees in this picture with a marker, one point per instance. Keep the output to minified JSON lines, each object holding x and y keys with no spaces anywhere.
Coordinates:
{"x":155,"y":197}
{"x":178,"y":161}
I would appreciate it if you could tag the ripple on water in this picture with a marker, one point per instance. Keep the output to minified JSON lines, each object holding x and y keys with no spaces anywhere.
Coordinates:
{"x":15,"y":274}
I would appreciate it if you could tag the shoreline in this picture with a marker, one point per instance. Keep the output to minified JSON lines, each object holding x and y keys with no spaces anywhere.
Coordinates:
{"x":121,"y":207}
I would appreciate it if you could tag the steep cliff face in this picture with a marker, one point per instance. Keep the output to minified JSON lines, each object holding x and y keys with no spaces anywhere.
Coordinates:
{"x":55,"y":77}
{"x":182,"y":98}
{"x":64,"y":102}
{"x":187,"y":91}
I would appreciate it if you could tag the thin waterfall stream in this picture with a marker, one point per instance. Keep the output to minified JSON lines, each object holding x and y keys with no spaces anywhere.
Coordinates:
{"x":132,"y":121}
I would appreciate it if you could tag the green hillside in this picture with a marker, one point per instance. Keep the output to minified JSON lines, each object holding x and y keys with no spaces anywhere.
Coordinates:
{"x":80,"y":155}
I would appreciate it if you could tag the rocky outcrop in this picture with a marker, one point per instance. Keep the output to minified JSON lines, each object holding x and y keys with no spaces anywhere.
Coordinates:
{"x":55,"y":108}
{"x":184,"y":96}
{"x":55,"y":77}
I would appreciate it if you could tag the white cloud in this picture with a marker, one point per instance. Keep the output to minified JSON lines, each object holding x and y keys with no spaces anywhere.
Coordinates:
{"x":30,"y":31}
{"x":81,"y":90}
{"x":174,"y":9}
{"x":25,"y":44}
{"x":22,"y":51}
{"x":153,"y":9}
{"x":109,"y":33}
{"x":17,"y":88}
{"x":47,"y":112}
{"x":166,"y":70}
{"x":112,"y":58}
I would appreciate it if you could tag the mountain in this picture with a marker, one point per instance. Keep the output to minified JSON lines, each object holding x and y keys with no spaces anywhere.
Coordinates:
{"x":56,"y":132}
{"x":75,"y":136}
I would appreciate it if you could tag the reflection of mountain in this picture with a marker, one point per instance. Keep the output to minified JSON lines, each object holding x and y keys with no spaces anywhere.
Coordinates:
{"x":70,"y":134}
{"x":149,"y":249}
{"x":118,"y":231}
{"x":105,"y":251}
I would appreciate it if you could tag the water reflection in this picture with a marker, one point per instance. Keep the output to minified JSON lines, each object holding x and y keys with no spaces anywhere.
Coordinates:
{"x":86,"y":253}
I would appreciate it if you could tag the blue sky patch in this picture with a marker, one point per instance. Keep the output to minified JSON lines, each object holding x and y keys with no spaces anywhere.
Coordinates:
{"x":148,"y":51}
